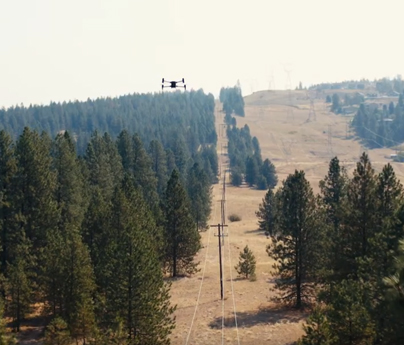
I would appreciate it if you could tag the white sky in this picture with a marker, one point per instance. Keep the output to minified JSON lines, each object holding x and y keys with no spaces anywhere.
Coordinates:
{"x":73,"y":49}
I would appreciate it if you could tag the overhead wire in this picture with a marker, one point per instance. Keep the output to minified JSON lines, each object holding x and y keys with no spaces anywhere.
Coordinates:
{"x":202,"y":279}
{"x":232,"y":288}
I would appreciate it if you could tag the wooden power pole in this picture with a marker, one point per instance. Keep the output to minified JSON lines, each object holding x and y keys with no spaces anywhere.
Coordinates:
{"x":219,"y":226}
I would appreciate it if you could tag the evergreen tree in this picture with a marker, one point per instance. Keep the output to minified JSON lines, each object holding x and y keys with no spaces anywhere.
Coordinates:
{"x":268,"y":171}
{"x":181,"y":236}
{"x":69,"y":182}
{"x":395,"y":282}
{"x":348,"y":316}
{"x":104,"y":164}
{"x":199,"y":192}
{"x":246,"y":264}
{"x":68,"y":282}
{"x":295,"y":248}
{"x":125,"y":149}
{"x":5,"y":338}
{"x":57,"y":333}
{"x":333,"y":192}
{"x":143,"y":173}
{"x":361,"y":217}
{"x":252,"y":171}
{"x":35,"y":207}
{"x":7,"y":171}
{"x":336,"y":103}
{"x":137,"y":295}
{"x":317,"y":329}
{"x":170,"y":163}
{"x":266,"y":213}
{"x":262,"y":183}
{"x":236,"y":177}
{"x":20,"y":284}
{"x":159,"y":165}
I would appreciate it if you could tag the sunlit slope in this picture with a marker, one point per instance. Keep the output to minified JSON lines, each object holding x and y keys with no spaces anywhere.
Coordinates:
{"x":280,"y":120}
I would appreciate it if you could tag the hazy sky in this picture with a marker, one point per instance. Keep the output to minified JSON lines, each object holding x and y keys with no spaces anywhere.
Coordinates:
{"x":73,"y":49}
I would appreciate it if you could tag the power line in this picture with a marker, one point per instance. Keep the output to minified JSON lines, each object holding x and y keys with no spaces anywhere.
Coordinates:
{"x":200,"y":286}
{"x":203,"y":276}
{"x":232,"y":290}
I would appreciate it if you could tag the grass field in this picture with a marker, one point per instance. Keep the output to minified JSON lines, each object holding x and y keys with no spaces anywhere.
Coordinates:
{"x":290,"y":142}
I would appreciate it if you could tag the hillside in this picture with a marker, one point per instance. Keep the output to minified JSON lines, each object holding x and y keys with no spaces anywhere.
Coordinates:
{"x":290,"y":142}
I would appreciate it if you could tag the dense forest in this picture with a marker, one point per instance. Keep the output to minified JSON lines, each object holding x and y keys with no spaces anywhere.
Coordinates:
{"x":341,"y":251}
{"x":233,"y":101}
{"x":339,"y":105}
{"x":380,"y":126}
{"x":166,"y":117}
{"x":69,"y":222}
{"x":383,"y":85}
{"x":245,"y":159}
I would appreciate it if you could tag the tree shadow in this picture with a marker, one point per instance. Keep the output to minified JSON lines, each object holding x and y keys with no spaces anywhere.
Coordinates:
{"x":269,"y":315}
{"x":256,"y":231}
{"x":236,"y":279}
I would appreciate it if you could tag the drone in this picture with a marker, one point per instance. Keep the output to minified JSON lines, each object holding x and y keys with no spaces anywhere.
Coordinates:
{"x":173,"y":84}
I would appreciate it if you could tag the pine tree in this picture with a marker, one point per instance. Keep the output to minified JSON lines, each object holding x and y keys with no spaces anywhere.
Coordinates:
{"x":181,"y":236}
{"x":361,"y":217}
{"x":35,"y":182}
{"x":236,"y":177}
{"x":181,"y":155}
{"x":246,"y":264}
{"x":20,"y":283}
{"x":265,"y":213}
{"x":79,"y":288}
{"x":333,"y":193}
{"x":252,"y":171}
{"x":269,"y":172}
{"x":68,"y":282}
{"x":348,"y":316}
{"x":69,"y":182}
{"x":395,"y":282}
{"x":262,"y":183}
{"x":199,"y":192}
{"x":5,"y":338}
{"x":125,"y":149}
{"x":57,"y":333}
{"x":143,"y":173}
{"x":317,"y":329}
{"x":8,"y":169}
{"x":104,"y":164}
{"x":295,"y":248}
{"x":159,"y":165}
{"x":170,"y":163}
{"x":137,"y":294}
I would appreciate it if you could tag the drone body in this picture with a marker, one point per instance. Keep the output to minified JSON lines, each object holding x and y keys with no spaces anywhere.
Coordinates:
{"x":173,"y":84}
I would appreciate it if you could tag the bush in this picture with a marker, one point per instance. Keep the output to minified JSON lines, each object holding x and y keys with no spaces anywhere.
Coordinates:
{"x":234,"y":217}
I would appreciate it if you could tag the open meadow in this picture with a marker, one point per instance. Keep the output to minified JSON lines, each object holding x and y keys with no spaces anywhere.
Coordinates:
{"x":290,"y":142}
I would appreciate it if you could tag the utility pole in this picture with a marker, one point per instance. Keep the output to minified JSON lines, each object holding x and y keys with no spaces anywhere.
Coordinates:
{"x":223,"y":202}
{"x":220,"y":256}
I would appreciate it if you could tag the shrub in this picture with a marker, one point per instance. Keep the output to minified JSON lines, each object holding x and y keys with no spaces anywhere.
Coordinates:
{"x":234,"y":217}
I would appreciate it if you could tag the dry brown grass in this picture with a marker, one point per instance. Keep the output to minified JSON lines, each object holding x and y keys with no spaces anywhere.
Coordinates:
{"x":289,"y":144}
